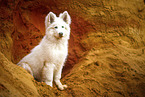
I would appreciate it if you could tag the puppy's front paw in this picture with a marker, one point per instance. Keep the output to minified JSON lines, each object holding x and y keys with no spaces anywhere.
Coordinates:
{"x":62,"y":87}
{"x":49,"y":83}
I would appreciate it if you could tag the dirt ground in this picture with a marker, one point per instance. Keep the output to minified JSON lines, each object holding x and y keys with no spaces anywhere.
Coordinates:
{"x":106,"y":47}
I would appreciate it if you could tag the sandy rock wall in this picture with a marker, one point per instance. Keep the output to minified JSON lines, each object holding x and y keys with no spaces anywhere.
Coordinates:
{"x":106,"y":47}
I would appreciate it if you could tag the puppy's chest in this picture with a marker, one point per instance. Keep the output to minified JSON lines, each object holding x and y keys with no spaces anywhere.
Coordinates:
{"x":57,"y":53}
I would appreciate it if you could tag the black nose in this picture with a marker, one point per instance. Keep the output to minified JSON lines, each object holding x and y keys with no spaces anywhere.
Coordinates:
{"x":60,"y":34}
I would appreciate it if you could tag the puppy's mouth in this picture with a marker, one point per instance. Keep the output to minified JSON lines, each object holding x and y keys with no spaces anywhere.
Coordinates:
{"x":60,"y":36}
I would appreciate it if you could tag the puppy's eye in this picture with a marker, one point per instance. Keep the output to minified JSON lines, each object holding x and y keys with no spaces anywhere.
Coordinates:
{"x":55,"y":27}
{"x":62,"y":26}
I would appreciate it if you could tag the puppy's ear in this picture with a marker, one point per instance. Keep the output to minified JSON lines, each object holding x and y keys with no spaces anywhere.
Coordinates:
{"x":49,"y":19}
{"x":66,"y":17}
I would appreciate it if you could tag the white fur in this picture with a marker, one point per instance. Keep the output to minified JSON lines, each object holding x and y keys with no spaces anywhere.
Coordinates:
{"x":46,"y":60}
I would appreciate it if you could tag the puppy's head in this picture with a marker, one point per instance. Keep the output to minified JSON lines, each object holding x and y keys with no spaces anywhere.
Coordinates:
{"x":58,"y":28}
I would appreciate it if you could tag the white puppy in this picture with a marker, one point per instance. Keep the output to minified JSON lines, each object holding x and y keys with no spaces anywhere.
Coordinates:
{"x":46,"y":60}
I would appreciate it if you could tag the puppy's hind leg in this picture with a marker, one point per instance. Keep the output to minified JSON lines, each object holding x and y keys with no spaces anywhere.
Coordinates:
{"x":26,"y":67}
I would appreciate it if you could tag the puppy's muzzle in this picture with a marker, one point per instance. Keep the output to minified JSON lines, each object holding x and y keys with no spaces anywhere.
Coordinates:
{"x":60,"y":34}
